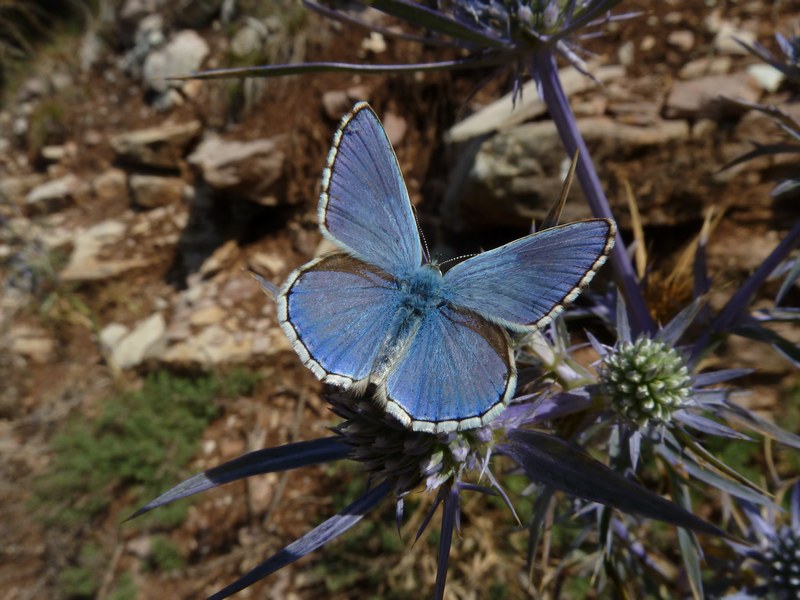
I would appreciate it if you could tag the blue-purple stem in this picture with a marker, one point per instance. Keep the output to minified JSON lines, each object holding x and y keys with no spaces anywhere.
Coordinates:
{"x":557,"y":103}
{"x":738,"y":303}
{"x":450,"y":511}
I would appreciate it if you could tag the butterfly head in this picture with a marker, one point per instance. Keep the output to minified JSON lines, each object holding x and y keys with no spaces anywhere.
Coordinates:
{"x":434,"y":267}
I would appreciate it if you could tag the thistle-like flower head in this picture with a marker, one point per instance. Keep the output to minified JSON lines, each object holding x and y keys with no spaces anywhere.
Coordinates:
{"x":524,"y":27}
{"x":519,"y":20}
{"x":389,"y":451}
{"x":645,"y":380}
{"x":782,"y":558}
{"x":774,"y":557}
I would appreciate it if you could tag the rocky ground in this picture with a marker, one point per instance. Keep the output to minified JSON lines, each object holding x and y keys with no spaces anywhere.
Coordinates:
{"x":131,"y":207}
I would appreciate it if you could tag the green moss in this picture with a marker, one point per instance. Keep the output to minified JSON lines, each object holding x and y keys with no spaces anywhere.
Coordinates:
{"x":137,"y":447}
{"x":351,"y":482}
{"x":576,"y":587}
{"x":788,"y":459}
{"x":124,"y":589}
{"x":165,"y":555}
{"x":498,"y":591}
{"x":82,"y":580}
{"x":78,"y":582}
{"x":743,"y":457}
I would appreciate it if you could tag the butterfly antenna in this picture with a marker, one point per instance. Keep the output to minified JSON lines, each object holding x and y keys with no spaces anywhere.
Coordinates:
{"x":455,"y":258}
{"x":554,"y":216}
{"x":421,"y":235}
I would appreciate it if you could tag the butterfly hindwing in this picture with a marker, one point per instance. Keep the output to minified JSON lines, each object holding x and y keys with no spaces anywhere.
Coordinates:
{"x":457,"y":372}
{"x":336,"y":311}
{"x":527,"y":282}
{"x":364,"y":206}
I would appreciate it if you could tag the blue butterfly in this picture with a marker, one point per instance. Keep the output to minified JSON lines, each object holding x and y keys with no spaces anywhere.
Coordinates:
{"x":435,"y":346}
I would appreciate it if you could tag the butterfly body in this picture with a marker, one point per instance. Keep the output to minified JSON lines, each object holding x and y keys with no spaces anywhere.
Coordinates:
{"x":433,"y":348}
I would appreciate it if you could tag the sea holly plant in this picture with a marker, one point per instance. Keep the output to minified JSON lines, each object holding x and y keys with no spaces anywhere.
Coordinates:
{"x":648,"y":399}
{"x":398,"y":461}
{"x":779,"y":262}
{"x":449,"y":456}
{"x":768,"y":566}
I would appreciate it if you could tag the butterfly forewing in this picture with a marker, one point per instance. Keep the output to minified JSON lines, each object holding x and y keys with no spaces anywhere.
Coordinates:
{"x":527,"y":282}
{"x":364,"y":206}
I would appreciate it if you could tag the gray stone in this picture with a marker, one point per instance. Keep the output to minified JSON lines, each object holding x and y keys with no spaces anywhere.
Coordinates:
{"x":208,"y":314}
{"x":141,"y":546}
{"x":215,"y":345}
{"x":725,"y":41}
{"x":704,"y":97}
{"x":146,"y":340}
{"x":54,"y":195}
{"x":162,"y":147}
{"x":250,"y":170}
{"x":395,"y":127}
{"x":59,"y":153}
{"x":715,"y":65}
{"x":13,"y":190}
{"x":271,"y":263}
{"x":92,"y":138}
{"x":374,"y":43}
{"x":336,"y":103}
{"x":133,"y":10}
{"x":766,"y":76}
{"x":91,"y":50}
{"x":648,"y":43}
{"x":682,"y":39}
{"x":502,"y":113}
{"x":33,"y":88}
{"x":111,"y":335}
{"x":86,"y":263}
{"x":168,"y":100}
{"x":20,"y":126}
{"x":248,"y":39}
{"x":220,"y":259}
{"x":626,"y":54}
{"x":149,"y":36}
{"x":184,"y":53}
{"x":32,"y":343}
{"x":516,"y":175}
{"x":111,"y":185}
{"x":61,"y":80}
{"x":151,"y":191}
